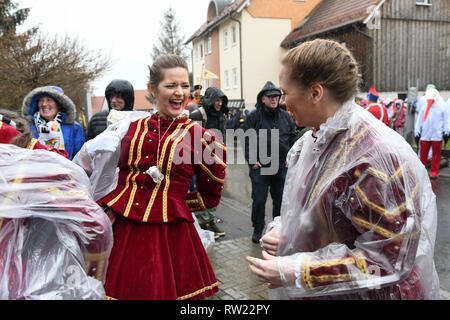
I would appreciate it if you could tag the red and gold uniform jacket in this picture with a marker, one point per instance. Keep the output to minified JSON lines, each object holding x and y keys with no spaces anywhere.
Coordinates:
{"x":185,"y":149}
{"x":358,"y":213}
{"x":7,"y":133}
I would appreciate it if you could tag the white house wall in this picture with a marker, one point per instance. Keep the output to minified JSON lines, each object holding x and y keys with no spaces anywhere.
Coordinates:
{"x":262,"y":53}
{"x":229,"y":60}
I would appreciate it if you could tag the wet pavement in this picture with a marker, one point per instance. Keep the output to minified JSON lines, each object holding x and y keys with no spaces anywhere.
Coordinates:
{"x":236,"y":282}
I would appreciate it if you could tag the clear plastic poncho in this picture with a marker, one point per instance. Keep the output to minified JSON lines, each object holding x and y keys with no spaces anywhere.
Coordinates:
{"x":358,"y":218}
{"x":55,"y":240}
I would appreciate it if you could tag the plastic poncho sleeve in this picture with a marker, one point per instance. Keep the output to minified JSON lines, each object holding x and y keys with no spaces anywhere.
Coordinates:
{"x":54,"y":239}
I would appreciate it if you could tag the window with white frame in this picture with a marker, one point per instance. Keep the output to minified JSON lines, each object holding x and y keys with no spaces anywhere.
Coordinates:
{"x":201,"y":50}
{"x":235,"y":77}
{"x":225,"y":39}
{"x":233,"y":34}
{"x":209,"y":45}
{"x":227,"y":80}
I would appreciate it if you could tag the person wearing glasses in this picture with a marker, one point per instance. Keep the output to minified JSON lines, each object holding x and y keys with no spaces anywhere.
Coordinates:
{"x":267,"y":117}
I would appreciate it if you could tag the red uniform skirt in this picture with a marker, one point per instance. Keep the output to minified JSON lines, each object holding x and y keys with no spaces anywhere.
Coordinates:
{"x":164,"y":261}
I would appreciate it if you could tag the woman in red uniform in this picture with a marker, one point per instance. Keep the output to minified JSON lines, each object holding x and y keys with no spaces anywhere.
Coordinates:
{"x":157,"y":252}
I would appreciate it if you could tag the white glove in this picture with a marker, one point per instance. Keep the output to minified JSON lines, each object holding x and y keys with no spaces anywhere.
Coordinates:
{"x":106,"y":141}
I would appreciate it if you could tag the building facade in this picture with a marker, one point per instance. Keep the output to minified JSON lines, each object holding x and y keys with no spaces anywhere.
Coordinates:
{"x":240,"y":43}
{"x":398,"y":43}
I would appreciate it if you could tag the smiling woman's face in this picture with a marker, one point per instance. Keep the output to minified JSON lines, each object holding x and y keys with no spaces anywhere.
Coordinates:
{"x":47,"y":108}
{"x":172,"y":92}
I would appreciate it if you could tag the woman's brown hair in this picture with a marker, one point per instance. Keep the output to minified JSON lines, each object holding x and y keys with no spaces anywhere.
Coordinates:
{"x":167,"y":61}
{"x":325,"y":62}
{"x":21,"y":125}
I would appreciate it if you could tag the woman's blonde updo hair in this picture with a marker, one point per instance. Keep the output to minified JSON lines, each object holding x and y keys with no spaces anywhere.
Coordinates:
{"x":325,"y":62}
{"x":166,"y":61}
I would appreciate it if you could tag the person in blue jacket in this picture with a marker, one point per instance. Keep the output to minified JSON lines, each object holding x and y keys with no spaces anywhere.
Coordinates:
{"x":51,"y":115}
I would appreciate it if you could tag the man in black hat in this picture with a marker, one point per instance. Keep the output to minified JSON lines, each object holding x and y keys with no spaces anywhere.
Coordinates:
{"x":267,"y":116}
{"x":119,"y":95}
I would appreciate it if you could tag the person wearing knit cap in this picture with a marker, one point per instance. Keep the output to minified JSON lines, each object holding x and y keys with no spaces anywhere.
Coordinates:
{"x":375,"y":108}
{"x":431,"y":126}
{"x":51,"y":115}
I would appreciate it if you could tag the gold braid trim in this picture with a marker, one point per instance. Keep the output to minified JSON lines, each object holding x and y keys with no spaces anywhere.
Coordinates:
{"x":169,"y":167}
{"x":200,"y":200}
{"x":96,"y":257}
{"x":332,"y":262}
{"x":380,"y":210}
{"x":220,"y":145}
{"x":306,"y":277}
{"x":210,"y":173}
{"x":158,"y":185}
{"x":331,"y":277}
{"x":198,"y":292}
{"x":332,"y":160}
{"x":130,"y":159}
{"x":370,"y":226}
{"x":392,"y":214}
{"x":218,"y":160}
{"x":32,"y":144}
{"x":136,"y":166}
{"x":361,"y":262}
{"x":389,"y":179}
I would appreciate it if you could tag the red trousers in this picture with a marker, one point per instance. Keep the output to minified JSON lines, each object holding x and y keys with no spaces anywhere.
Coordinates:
{"x":436,"y":147}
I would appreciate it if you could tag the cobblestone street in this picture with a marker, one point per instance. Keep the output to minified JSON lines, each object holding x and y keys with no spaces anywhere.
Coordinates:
{"x":236,"y":282}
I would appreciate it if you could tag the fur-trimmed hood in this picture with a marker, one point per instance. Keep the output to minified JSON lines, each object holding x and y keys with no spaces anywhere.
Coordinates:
{"x":65,"y":104}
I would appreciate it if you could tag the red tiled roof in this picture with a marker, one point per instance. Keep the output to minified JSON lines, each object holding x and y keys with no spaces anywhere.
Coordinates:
{"x":140,"y":100}
{"x":97,"y":104}
{"x":209,"y":25}
{"x":329,"y":15}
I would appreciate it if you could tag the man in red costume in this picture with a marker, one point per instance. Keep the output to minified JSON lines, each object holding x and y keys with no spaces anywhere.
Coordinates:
{"x":376,"y":108}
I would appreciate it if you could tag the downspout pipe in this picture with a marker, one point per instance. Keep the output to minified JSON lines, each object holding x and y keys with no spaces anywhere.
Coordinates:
{"x":240,"y":53}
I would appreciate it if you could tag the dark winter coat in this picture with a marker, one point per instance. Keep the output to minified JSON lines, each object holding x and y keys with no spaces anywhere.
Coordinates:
{"x":267,"y":118}
{"x":214,"y":119}
{"x":122,"y":88}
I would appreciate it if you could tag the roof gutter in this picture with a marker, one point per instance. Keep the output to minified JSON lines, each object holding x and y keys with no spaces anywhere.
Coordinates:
{"x":244,"y":5}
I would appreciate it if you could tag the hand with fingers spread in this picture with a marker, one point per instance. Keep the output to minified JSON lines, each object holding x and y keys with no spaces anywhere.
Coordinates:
{"x":275,"y":271}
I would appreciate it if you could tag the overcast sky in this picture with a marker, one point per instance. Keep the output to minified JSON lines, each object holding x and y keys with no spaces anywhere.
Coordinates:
{"x":123,"y":30}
